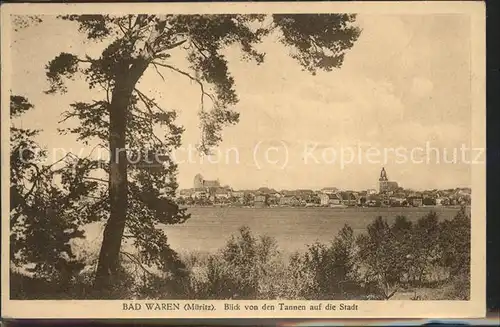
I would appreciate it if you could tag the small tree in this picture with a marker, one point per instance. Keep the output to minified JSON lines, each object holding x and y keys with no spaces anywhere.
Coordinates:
{"x":377,"y":251}
{"x":344,"y":260}
{"x":246,"y":268}
{"x":455,"y":242}
{"x":402,"y":231}
{"x":426,"y":244}
{"x":333,"y":267}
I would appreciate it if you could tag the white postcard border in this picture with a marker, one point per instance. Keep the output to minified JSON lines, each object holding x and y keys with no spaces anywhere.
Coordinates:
{"x":474,"y":308}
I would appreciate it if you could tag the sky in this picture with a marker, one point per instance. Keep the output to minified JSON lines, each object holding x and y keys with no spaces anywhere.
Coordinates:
{"x":404,"y":85}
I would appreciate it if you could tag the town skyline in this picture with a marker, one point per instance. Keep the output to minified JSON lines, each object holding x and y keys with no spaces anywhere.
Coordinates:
{"x":375,"y":186}
{"x":389,"y":193}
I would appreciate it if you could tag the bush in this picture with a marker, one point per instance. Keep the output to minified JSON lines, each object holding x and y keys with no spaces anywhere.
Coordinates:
{"x":455,"y":241}
{"x":331,"y":271}
{"x":460,"y":287}
{"x":246,"y":268}
{"x":426,"y":251}
{"x":402,"y":232}
{"x":382,"y":261}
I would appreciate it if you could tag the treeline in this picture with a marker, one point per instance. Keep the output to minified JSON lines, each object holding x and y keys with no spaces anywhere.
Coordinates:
{"x":385,"y":259}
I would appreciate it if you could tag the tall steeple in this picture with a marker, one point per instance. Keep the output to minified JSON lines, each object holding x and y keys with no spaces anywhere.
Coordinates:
{"x":383,"y":175}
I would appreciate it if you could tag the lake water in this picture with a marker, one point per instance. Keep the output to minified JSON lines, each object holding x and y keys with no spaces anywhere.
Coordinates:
{"x":294,"y":228}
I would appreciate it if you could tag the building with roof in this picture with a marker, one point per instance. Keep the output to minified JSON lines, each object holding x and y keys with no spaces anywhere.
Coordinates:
{"x":200,"y":182}
{"x":327,"y":199}
{"x":385,"y":185}
{"x":289,"y":200}
{"x":329,"y":190}
{"x":350,"y":198}
{"x":260,"y":201}
{"x":222,"y":193}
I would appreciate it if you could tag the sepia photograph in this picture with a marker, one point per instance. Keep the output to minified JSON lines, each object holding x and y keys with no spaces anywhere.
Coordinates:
{"x":258,"y":160}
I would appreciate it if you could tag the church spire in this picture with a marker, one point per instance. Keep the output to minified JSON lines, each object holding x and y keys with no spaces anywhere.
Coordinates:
{"x":383,"y":175}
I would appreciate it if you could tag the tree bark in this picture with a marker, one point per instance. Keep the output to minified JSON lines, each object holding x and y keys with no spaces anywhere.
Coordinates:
{"x":109,"y":257}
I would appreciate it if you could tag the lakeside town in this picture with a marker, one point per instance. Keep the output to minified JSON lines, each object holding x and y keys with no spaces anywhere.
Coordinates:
{"x":389,"y":194}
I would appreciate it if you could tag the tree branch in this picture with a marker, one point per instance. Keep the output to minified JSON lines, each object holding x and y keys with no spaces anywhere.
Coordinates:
{"x":151,"y":132}
{"x":121,"y":28}
{"x":88,"y":60}
{"x":172,"y":46}
{"x":202,"y":87}
{"x":156,"y":68}
{"x":147,"y":102}
{"x":150,"y":49}
{"x":136,"y":260}
{"x":199,"y":49}
{"x":67,"y":155}
{"x":67,"y":115}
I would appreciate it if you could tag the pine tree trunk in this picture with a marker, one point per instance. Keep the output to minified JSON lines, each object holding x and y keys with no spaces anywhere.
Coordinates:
{"x":108,"y":264}
{"x":109,"y":257}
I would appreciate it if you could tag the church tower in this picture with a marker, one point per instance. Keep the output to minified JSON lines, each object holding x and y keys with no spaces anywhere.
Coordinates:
{"x":383,"y":181}
{"x":198,"y":181}
{"x":383,"y":175}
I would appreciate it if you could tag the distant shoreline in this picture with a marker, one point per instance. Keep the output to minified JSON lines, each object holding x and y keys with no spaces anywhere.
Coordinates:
{"x":324,"y":207}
